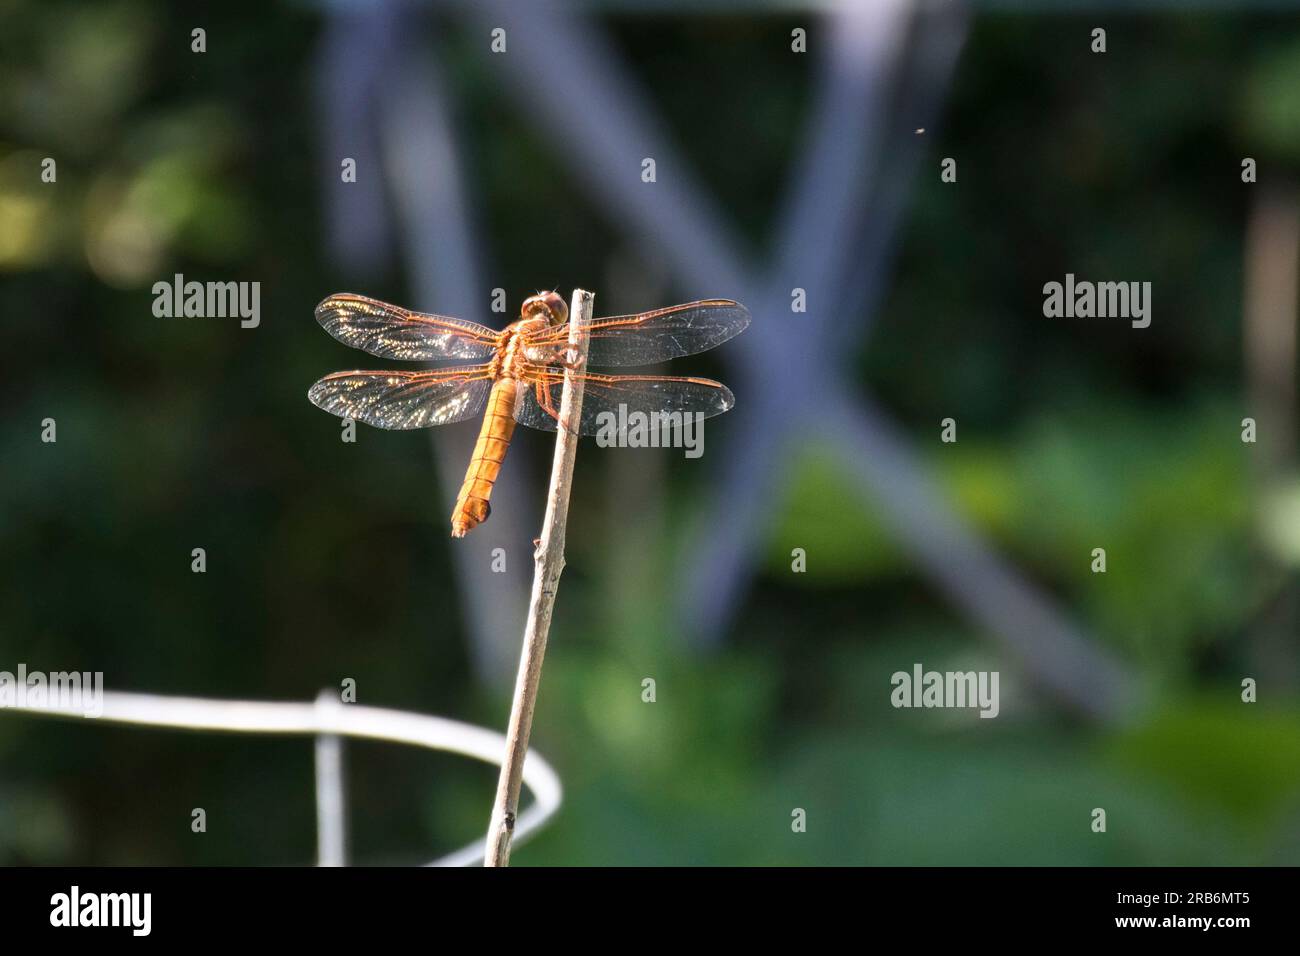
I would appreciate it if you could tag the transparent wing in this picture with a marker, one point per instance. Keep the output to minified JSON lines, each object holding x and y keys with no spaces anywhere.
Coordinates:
{"x":650,"y":337}
{"x":619,"y":396}
{"x":390,"y":331}
{"x":401,"y":400}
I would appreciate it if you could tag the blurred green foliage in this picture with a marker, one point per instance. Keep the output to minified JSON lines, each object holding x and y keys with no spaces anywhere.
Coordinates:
{"x":328,"y":560}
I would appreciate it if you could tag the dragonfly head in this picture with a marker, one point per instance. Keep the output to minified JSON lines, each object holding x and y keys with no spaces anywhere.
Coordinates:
{"x":545,"y":305}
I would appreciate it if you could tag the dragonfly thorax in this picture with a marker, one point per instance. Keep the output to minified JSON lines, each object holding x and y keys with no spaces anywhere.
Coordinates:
{"x":513,"y":352}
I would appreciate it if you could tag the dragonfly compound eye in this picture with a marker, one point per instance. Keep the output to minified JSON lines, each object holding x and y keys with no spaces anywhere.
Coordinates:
{"x":547,"y":305}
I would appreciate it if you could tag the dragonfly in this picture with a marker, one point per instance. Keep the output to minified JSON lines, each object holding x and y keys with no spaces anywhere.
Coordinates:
{"x":519,"y":375}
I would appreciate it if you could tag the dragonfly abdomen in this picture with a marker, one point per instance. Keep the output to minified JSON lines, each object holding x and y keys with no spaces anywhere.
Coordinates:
{"x":472,"y":507}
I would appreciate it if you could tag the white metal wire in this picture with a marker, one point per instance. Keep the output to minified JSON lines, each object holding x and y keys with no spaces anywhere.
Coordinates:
{"x":334,"y":719}
{"x":331,"y":817}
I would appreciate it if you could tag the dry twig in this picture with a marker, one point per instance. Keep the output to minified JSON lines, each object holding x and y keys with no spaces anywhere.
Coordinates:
{"x":549,"y":563}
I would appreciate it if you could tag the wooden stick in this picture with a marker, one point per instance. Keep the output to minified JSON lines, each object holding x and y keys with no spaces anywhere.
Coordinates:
{"x":549,"y":563}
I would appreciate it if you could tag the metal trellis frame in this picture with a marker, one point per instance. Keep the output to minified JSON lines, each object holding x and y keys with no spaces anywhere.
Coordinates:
{"x":328,"y":720}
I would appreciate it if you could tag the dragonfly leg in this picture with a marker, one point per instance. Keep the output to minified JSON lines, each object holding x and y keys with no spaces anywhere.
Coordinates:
{"x":545,"y":402}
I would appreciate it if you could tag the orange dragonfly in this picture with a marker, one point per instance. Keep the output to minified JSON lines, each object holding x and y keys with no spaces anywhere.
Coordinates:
{"x":520,"y":376}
